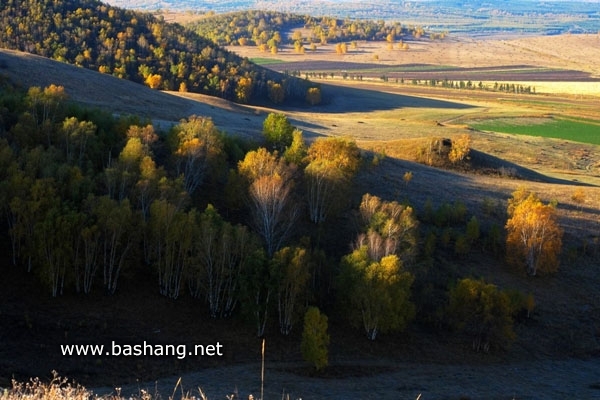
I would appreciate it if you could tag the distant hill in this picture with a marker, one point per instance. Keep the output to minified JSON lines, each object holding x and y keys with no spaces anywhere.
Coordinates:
{"x":471,"y":17}
{"x":270,"y":29}
{"x":136,"y":46}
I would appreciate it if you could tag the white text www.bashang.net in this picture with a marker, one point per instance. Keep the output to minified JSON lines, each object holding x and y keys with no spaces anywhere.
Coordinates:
{"x":144,"y":349}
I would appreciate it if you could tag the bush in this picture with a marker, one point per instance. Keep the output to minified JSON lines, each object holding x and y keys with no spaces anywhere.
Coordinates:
{"x":482,"y":311}
{"x":315,"y":339}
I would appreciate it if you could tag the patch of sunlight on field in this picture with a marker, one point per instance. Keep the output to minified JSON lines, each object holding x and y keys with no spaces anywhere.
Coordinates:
{"x":576,"y":88}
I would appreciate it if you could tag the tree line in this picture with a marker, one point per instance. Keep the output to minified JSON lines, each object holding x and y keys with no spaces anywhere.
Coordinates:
{"x":246,"y":227}
{"x":136,"y":46}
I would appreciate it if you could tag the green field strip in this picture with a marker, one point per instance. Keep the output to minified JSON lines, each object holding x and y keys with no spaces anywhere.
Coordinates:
{"x":556,"y":128}
{"x":266,"y":61}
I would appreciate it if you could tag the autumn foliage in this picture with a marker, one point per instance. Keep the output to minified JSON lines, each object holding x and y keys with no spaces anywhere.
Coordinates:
{"x":534,"y":238}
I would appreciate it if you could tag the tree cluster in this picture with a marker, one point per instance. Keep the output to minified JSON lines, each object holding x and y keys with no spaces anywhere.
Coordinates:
{"x":93,"y":201}
{"x":265,"y":29}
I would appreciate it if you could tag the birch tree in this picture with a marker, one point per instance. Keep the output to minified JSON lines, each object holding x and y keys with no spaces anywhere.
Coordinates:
{"x":332,"y":163}
{"x":272,"y":206}
{"x":290,"y":267}
{"x":115,"y":220}
{"x":172,"y":232}
{"x":391,"y":228}
{"x":376,"y":293}
{"x":221,"y":253}
{"x":196,"y":145}
{"x":534,"y":237}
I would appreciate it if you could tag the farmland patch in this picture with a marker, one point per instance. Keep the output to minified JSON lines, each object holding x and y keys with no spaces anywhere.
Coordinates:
{"x":576,"y":130}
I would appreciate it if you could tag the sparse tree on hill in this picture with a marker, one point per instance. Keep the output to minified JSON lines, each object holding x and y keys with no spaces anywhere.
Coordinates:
{"x":313,"y":96}
{"x":461,"y":146}
{"x":278,"y":131}
{"x":276,"y":92}
{"x":243,"y":90}
{"x":534,"y":238}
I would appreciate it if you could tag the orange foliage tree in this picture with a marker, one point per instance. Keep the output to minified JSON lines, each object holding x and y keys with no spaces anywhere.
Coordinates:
{"x":534,"y":238}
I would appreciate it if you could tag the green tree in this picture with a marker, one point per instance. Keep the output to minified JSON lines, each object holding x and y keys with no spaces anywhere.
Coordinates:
{"x":116,"y":224}
{"x":220,"y":252}
{"x":278,"y":131}
{"x":290,"y":267}
{"x":315,"y":339}
{"x":481,"y":311}
{"x":258,"y":287}
{"x":57,"y":243}
{"x":172,"y":233}
{"x":376,"y":293}
{"x":296,"y":151}
{"x":75,"y":137}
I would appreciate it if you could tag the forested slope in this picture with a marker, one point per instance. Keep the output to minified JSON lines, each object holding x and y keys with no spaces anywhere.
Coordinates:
{"x":136,"y":46}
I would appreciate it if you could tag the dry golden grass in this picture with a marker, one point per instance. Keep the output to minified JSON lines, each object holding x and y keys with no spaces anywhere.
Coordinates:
{"x":59,"y":388}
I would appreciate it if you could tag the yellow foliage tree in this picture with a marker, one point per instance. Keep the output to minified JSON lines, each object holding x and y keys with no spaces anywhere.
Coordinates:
{"x":461,"y":146}
{"x":276,"y":92}
{"x":153,"y":81}
{"x":332,"y":162}
{"x":313,"y":96}
{"x":534,"y":238}
{"x":243,"y":91}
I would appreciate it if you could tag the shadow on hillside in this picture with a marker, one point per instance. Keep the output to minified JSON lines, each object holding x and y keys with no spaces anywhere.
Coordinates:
{"x":343,"y":99}
{"x":487,"y":163}
{"x":430,"y":184}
